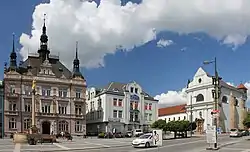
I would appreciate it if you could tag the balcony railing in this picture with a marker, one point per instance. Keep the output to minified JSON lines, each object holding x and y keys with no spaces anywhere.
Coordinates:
{"x":13,"y":95}
{"x":12,"y":113}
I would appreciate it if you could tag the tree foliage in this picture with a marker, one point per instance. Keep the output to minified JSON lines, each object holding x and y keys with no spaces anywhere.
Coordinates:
{"x":159,"y":124}
{"x":246,"y":121}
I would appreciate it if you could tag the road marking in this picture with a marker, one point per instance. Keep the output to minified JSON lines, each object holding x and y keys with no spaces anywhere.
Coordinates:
{"x":168,"y":146}
{"x":97,"y":144}
{"x":61,"y":146}
{"x":247,"y":150}
{"x":17,"y":147}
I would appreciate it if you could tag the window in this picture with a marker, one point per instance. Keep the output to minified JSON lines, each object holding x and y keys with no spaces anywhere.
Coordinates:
{"x":63,"y":126}
{"x":99,"y":114}
{"x":136,"y":117}
{"x":120,"y":114}
{"x":174,"y":119}
{"x":150,"y":106}
{"x":46,"y":91}
{"x":12,"y":89}
{"x":224,"y":99}
{"x":120,"y":103}
{"x":114,"y":102}
{"x":169,"y":119}
{"x":27,"y":90}
{"x":27,"y":123}
{"x":78,"y":126}
{"x":99,"y":103}
{"x":62,"y":109}
{"x":114,"y":113}
{"x":136,"y":105}
{"x":199,"y":80}
{"x":199,"y":98}
{"x":12,"y":106}
{"x":179,"y":118}
{"x":63,"y":92}
{"x":136,"y":90}
{"x":146,"y":117}
{"x":146,"y":106}
{"x":78,"y":109}
{"x":150,"y":117}
{"x":184,"y":117}
{"x":27,"y":107}
{"x":131,"y":106}
{"x":78,"y":93}
{"x":12,"y":123}
{"x":131,"y":89}
{"x":131,"y":117}
{"x":46,"y":109}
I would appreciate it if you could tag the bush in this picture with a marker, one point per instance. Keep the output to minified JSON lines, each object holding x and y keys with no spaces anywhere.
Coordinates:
{"x":101,"y":135}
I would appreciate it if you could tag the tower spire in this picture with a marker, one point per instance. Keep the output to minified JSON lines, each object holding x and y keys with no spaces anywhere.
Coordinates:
{"x":13,"y":55}
{"x":76,"y":64}
{"x":43,"y":51}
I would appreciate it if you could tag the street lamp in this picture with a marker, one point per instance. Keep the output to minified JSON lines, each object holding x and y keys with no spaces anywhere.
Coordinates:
{"x":216,"y":95}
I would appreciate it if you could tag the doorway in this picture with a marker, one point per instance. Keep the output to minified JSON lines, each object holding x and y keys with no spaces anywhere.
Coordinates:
{"x":46,"y":127}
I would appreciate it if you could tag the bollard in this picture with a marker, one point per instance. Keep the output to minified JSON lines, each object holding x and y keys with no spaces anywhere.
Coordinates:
{"x":18,"y":139}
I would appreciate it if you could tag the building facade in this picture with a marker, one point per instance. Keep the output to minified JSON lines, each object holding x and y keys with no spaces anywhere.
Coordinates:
{"x":1,"y":108}
{"x":120,"y":107}
{"x":60,"y":93}
{"x":173,"y":113}
{"x":200,"y":102}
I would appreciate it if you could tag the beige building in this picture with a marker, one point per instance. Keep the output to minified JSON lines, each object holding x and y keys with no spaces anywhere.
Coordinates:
{"x":60,"y":93}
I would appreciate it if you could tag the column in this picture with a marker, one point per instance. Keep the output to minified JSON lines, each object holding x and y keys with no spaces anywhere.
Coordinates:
{"x":33,"y":109}
{"x":232,"y":111}
{"x":241,"y":113}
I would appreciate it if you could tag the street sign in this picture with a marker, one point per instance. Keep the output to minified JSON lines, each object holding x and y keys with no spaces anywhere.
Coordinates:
{"x":157,"y":137}
{"x":211,"y":134}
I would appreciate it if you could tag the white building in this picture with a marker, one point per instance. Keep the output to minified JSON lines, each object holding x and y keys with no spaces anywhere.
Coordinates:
{"x":120,"y":106}
{"x":231,"y":103}
{"x":173,"y":113}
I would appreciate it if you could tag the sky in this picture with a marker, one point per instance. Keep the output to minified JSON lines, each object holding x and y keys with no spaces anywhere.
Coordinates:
{"x":159,"y":44}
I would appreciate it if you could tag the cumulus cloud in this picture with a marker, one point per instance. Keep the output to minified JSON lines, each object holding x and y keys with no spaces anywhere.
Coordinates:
{"x":101,"y":29}
{"x":172,"y":98}
{"x":163,"y":43}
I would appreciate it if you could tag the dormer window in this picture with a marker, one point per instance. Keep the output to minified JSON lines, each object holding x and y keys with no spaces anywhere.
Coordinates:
{"x":115,"y":90}
{"x":136,"y":90}
{"x":131,"y":89}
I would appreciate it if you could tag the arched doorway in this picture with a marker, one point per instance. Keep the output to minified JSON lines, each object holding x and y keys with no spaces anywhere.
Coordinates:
{"x":46,"y":127}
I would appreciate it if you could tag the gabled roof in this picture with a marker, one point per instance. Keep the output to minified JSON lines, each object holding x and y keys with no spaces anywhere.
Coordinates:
{"x":172,"y":110}
{"x":117,"y":88}
{"x":242,"y":86}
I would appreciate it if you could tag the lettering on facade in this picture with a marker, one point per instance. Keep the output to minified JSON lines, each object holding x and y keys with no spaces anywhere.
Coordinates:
{"x":134,"y":97}
{"x":114,"y":120}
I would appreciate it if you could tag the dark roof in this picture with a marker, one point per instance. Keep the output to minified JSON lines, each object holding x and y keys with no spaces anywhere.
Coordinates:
{"x":117,"y":88}
{"x":172,"y":110}
{"x":57,"y":67}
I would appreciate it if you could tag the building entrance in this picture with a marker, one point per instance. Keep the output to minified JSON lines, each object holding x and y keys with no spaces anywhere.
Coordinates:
{"x":46,"y":127}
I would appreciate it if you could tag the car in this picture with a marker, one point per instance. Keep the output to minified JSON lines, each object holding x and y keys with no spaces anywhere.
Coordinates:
{"x":145,"y":140}
{"x":235,"y":133}
{"x":138,"y":132}
{"x":129,"y":134}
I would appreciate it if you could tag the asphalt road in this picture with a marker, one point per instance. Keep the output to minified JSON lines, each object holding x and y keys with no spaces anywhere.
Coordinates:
{"x":197,"y":144}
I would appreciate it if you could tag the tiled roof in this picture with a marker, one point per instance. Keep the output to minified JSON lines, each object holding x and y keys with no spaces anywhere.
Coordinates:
{"x":241,"y":86}
{"x":172,"y":110}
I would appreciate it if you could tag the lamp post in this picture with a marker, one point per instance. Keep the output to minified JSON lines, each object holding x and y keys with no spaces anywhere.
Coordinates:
{"x":216,"y":95}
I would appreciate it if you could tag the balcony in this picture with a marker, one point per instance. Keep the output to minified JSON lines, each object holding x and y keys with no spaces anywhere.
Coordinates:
{"x":78,"y":99}
{"x":11,"y":113}
{"x":80,"y":116}
{"x":46,"y":114}
{"x":114,"y":119}
{"x":134,"y":121}
{"x":12,"y":95}
{"x":46,"y":97}
{"x":63,"y":99}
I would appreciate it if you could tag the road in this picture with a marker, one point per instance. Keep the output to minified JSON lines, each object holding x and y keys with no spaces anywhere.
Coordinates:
{"x":197,"y":144}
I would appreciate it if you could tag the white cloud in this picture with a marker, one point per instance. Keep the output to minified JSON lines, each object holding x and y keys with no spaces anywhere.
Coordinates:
{"x":100,"y":30}
{"x":163,"y":43}
{"x":172,"y":98}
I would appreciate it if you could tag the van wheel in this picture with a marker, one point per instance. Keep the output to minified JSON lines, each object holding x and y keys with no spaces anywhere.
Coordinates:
{"x":147,"y":145}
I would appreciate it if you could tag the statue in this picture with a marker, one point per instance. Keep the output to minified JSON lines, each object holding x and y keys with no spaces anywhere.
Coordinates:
{"x":33,"y":85}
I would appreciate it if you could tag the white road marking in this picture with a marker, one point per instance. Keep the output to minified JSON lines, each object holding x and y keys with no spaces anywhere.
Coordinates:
{"x":17,"y":147}
{"x":97,"y":144}
{"x":247,"y":150}
{"x":178,"y":144}
{"x":61,"y":146}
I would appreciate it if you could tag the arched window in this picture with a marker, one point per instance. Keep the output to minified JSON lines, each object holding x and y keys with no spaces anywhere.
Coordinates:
{"x":27,"y":123}
{"x":63,"y":126}
{"x":236,"y":102}
{"x":199,"y":98}
{"x":224,"y":99}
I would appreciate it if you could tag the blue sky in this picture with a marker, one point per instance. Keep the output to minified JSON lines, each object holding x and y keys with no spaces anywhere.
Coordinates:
{"x":157,"y":69}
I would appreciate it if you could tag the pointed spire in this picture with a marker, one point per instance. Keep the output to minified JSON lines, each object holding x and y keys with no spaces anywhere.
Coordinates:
{"x":44,"y":25}
{"x":76,"y":64}
{"x":13,"y":55}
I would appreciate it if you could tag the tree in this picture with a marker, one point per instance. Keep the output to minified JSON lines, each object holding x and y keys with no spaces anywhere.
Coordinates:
{"x":246,"y":121}
{"x":159,"y":124}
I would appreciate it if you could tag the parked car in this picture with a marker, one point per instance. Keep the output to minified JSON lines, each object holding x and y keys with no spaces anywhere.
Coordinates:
{"x":119,"y":135}
{"x":235,"y":133}
{"x":138,"y":132}
{"x":145,"y":140}
{"x":129,"y":134}
{"x":244,"y":132}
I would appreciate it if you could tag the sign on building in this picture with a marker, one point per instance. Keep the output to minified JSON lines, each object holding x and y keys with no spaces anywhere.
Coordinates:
{"x":157,"y":137}
{"x":211,"y":134}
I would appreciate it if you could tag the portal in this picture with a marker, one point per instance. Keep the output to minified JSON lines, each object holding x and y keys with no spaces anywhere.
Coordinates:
{"x":46,"y":127}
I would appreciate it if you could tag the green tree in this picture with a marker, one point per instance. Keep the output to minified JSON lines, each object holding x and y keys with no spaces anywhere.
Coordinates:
{"x":159,"y":124}
{"x":246,"y":121}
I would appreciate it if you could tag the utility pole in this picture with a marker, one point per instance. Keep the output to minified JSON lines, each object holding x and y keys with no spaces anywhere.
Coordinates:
{"x":216,"y":95}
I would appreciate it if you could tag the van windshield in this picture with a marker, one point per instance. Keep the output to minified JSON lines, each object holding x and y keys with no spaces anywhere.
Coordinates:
{"x":233,"y":130}
{"x":138,"y":130}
